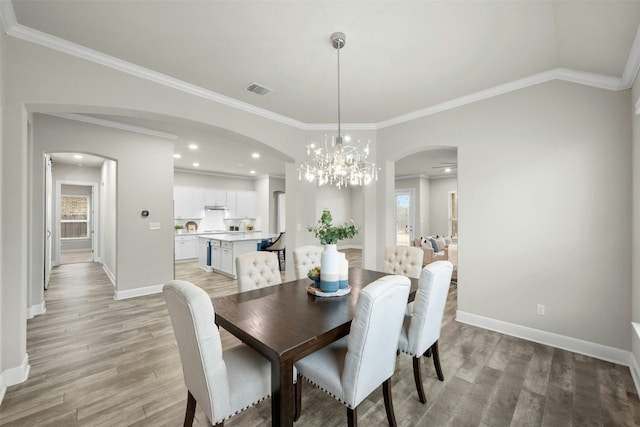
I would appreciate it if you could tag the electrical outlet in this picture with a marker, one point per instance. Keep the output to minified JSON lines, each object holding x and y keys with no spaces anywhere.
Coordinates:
{"x":154,"y":226}
{"x":540,"y":310}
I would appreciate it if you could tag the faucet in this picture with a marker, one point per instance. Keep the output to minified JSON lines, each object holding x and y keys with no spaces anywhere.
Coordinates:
{"x":243,"y":226}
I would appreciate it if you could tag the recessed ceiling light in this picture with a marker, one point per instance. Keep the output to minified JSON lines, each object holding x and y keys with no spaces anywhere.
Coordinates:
{"x":447,"y":170}
{"x":193,"y":146}
{"x":177,"y":156}
{"x":77,"y":156}
{"x":255,"y":155}
{"x":252,"y":172}
{"x":196,"y":164}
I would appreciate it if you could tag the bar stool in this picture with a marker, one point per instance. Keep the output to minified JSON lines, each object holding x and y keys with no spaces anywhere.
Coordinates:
{"x":278,"y":246}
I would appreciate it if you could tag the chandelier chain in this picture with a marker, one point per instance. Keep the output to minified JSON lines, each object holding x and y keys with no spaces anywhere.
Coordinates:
{"x":335,"y":163}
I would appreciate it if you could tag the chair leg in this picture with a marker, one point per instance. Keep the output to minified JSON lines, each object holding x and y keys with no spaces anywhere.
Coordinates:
{"x":191,"y":410}
{"x":352,"y":417}
{"x":436,"y":360}
{"x":297,"y":394}
{"x":388,"y":403}
{"x":417,"y":376}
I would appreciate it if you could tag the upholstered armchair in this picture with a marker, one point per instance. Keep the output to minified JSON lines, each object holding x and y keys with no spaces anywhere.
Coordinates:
{"x":256,"y":270}
{"x":429,"y":255}
{"x":305,"y":258}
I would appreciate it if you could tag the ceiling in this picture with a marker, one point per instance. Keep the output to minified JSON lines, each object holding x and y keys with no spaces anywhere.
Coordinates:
{"x":401,"y":57}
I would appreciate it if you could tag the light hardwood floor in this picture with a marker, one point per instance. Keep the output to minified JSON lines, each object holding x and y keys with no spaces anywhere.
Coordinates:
{"x":97,"y":361}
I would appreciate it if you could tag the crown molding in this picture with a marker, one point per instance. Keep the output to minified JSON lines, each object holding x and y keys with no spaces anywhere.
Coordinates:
{"x":28,"y":34}
{"x":7,"y":15}
{"x":633,"y":63}
{"x":14,"y":29}
{"x":113,"y":124}
{"x":580,"y":77}
{"x":343,"y":126}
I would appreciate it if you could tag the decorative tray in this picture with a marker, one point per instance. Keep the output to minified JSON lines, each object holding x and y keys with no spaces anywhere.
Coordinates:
{"x":317,"y":292}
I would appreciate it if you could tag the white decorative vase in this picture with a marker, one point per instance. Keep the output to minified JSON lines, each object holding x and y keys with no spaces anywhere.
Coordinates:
{"x":344,"y":271}
{"x":330,"y":269}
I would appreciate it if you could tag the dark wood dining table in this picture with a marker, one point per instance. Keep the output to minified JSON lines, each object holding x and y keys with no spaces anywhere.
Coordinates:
{"x":285,"y":323}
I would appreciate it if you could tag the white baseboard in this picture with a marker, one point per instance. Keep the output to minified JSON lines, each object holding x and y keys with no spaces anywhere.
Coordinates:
{"x":109,"y":274}
{"x":36,"y":310}
{"x":633,"y":364}
{"x":138,"y":292}
{"x":599,"y":351}
{"x":13,"y":376}
{"x":3,"y":388}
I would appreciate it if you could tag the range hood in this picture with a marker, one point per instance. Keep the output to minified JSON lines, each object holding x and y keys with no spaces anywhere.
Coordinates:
{"x":215,"y":208}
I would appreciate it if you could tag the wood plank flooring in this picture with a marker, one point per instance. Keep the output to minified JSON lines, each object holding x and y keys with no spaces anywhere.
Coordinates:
{"x":97,"y":361}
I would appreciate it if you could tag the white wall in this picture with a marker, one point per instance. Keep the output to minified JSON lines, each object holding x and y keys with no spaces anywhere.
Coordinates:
{"x":338,"y":201}
{"x":543,"y":173}
{"x":108,"y":217}
{"x":275,"y":185}
{"x":205,"y":180}
{"x":4,"y":317}
{"x":635,"y":242}
{"x":144,"y":257}
{"x":439,"y":204}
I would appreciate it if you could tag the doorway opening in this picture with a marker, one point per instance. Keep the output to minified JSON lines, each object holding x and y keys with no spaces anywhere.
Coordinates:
{"x":404,"y":217}
{"x":75,"y":223}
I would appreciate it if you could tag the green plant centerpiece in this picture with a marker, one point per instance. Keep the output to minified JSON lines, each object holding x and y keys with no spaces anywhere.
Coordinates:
{"x":330,"y":234}
{"x":333,"y":264}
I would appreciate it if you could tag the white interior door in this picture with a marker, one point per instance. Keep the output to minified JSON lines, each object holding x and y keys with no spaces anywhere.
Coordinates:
{"x":404,"y":217}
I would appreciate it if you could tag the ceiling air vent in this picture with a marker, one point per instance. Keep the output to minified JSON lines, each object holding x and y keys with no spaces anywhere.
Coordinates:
{"x":258,"y":89}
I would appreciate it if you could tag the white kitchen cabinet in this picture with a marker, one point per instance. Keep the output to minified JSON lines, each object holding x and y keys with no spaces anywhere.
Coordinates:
{"x":231,"y":203}
{"x":246,"y":202}
{"x":213,"y":197}
{"x":215,"y":254}
{"x":186,"y":247}
{"x":202,"y":254}
{"x":188,"y":202}
{"x":226,"y":258}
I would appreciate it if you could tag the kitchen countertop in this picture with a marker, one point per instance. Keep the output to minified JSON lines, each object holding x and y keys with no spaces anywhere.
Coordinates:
{"x":238,"y":236}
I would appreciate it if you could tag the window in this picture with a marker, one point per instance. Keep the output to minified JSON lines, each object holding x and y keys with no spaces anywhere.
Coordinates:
{"x":453,"y":213}
{"x":74,"y":217}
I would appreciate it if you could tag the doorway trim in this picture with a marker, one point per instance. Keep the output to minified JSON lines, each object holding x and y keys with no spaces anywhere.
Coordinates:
{"x":93,"y":221}
{"x":412,"y":213}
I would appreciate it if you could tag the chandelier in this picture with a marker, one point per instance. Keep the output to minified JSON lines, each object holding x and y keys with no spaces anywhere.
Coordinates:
{"x":335,"y":163}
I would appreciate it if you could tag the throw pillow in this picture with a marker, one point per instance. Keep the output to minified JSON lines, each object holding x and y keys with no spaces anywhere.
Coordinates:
{"x":441,"y":242}
{"x":434,"y":244}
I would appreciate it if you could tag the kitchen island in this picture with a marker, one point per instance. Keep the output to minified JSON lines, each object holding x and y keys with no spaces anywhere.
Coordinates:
{"x":218,"y":252}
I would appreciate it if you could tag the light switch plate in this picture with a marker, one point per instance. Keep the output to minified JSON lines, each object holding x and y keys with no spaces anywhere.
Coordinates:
{"x":154,"y":226}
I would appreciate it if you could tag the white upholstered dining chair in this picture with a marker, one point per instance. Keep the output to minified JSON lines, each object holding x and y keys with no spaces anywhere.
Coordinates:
{"x":305,"y":258}
{"x":256,"y":270}
{"x":421,"y":328}
{"x":354,"y":366}
{"x":405,"y":260}
{"x":222,"y":382}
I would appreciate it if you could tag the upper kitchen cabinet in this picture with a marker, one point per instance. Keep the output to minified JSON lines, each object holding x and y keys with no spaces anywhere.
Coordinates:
{"x":213,"y":197}
{"x":188,"y":202}
{"x":246,"y":204}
